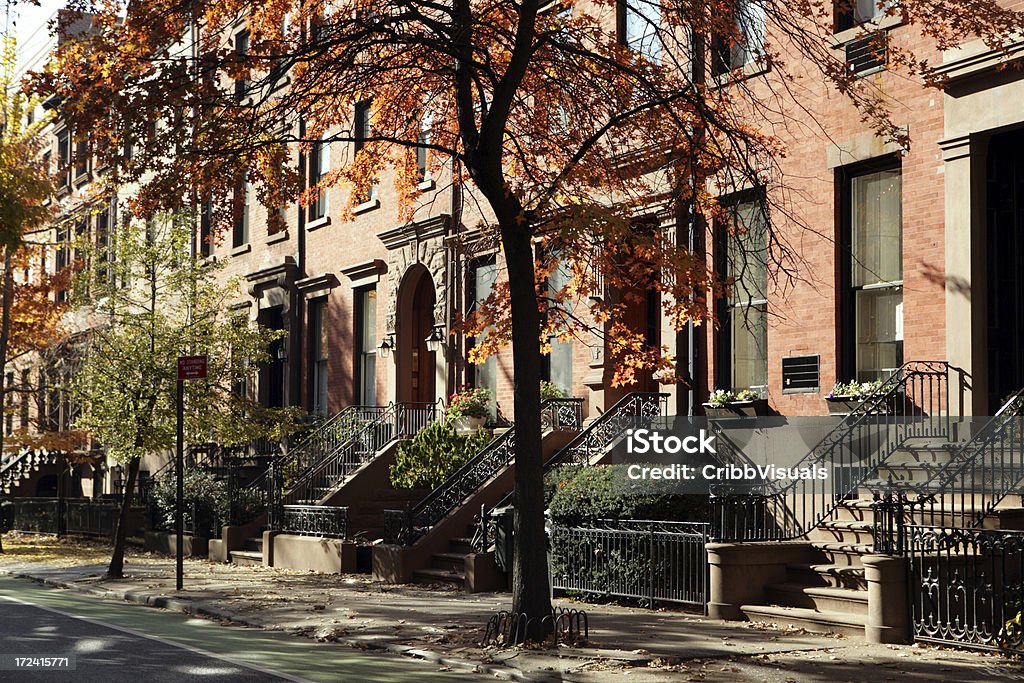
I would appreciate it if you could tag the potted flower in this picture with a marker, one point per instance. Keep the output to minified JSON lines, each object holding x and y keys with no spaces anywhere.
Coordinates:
{"x":468,"y":409}
{"x":743,"y":403}
{"x":846,"y":397}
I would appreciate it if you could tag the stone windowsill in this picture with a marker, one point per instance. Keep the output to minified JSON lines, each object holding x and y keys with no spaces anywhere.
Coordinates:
{"x":840,"y":39}
{"x":426,"y":186}
{"x":748,"y":70}
{"x":366,"y":206}
{"x":278,"y":237}
{"x":241,"y":249}
{"x":318,"y":223}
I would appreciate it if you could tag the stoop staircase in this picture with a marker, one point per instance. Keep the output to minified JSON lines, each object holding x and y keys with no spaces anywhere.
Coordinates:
{"x":434,"y":535}
{"x":930,"y":483}
{"x":449,"y":566}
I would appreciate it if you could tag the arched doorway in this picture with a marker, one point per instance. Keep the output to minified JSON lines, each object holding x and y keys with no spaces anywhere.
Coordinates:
{"x":416,"y":364}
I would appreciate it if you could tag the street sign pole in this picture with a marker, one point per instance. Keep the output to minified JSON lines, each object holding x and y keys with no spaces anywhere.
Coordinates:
{"x":179,"y":468}
{"x":189,"y":367}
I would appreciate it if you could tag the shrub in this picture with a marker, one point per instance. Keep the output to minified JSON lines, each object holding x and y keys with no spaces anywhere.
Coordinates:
{"x":588,"y":494}
{"x":204,"y":496}
{"x":549,"y":390}
{"x":434,"y":454}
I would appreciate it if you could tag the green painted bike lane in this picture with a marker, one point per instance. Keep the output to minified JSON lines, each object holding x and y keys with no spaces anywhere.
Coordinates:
{"x":295,"y":657}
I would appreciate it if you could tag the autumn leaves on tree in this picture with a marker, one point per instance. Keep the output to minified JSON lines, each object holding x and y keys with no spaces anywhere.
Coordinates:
{"x":595,"y":137}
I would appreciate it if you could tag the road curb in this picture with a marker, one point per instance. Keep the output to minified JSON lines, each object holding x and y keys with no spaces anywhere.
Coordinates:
{"x":167,"y":602}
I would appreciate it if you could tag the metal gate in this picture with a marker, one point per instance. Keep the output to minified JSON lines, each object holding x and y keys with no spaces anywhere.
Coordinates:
{"x":966,"y":587}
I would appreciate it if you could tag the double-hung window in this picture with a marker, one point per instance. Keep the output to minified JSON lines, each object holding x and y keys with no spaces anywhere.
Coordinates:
{"x":850,"y":13}
{"x":241,"y":53}
{"x":240,"y":231}
{"x":362,"y":131}
{"x":873,"y":326}
{"x":318,"y":328}
{"x":746,"y":44}
{"x":366,"y":349}
{"x":639,"y":21}
{"x":482,"y":275}
{"x":319,"y":164}
{"x":743,"y":340}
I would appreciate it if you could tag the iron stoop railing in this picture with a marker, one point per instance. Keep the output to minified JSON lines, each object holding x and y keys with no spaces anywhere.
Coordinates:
{"x":405,"y":527}
{"x":650,"y":561}
{"x":396,"y":421}
{"x":912,"y":403}
{"x":632,"y":411}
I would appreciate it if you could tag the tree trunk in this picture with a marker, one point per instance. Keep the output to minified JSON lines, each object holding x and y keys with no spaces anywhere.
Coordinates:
{"x":5,"y":335}
{"x":116,"y":568}
{"x":530,"y":592}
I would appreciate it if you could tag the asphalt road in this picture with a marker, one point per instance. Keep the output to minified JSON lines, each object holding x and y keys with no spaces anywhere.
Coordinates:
{"x":115,"y":641}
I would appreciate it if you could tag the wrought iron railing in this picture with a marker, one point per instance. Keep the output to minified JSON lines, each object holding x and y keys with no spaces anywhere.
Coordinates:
{"x":393,"y":422}
{"x":22,"y":466}
{"x":912,"y":403}
{"x":967,"y":587}
{"x":631,"y":411}
{"x":962,"y":491}
{"x":325,"y":440}
{"x":315,"y":520}
{"x":406,"y":526}
{"x":650,"y":561}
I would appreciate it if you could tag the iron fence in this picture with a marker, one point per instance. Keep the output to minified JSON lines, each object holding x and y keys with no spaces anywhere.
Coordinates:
{"x":315,"y":520}
{"x":650,"y":561}
{"x":72,"y":516}
{"x":967,"y":587}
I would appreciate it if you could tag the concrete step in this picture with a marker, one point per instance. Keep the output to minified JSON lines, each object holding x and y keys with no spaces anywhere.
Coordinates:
{"x":935,"y":453}
{"x":462,"y":544}
{"x":842,"y":554}
{"x":452,"y":561}
{"x":809,"y":619}
{"x":857,"y":510}
{"x":914,"y":472}
{"x":450,"y":576}
{"x":246,"y":558}
{"x":820,"y":598}
{"x":843,"y":531}
{"x":827,"y":575}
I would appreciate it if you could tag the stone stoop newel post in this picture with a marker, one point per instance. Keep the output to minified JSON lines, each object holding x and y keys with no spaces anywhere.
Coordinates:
{"x":888,"y":606}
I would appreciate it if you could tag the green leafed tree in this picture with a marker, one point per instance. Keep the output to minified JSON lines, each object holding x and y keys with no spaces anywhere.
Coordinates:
{"x":149,"y":301}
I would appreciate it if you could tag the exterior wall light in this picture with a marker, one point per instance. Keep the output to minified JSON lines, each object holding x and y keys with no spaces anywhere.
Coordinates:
{"x":387,"y":345}
{"x":435,"y":342}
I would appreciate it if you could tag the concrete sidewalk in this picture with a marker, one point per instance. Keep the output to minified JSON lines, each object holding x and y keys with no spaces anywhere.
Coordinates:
{"x":445,"y":627}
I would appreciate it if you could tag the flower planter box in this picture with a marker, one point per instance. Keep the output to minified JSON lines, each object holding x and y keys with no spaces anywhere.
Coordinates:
{"x":844,"y":405}
{"x":468,"y":425}
{"x":755,"y":408}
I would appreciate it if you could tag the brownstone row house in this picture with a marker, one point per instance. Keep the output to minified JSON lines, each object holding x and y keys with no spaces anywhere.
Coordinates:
{"x":906,"y":253}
